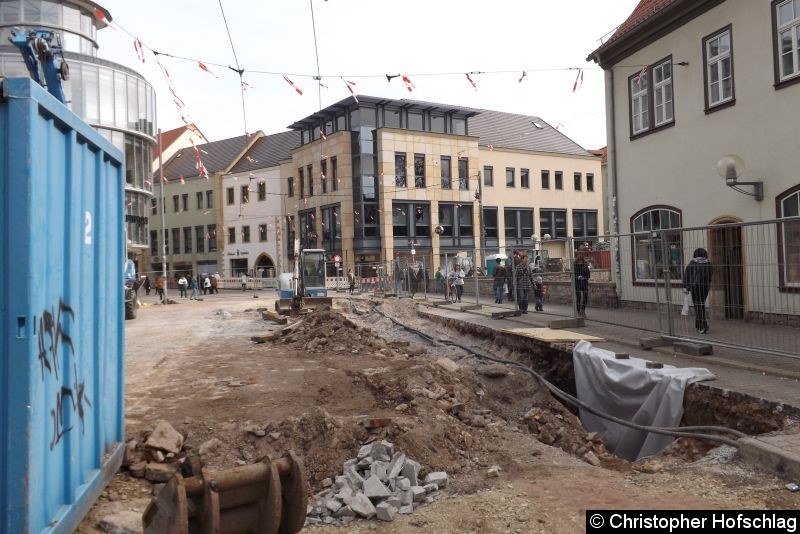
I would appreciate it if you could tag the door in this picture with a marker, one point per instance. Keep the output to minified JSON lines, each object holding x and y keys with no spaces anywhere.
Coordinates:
{"x":729,"y":271}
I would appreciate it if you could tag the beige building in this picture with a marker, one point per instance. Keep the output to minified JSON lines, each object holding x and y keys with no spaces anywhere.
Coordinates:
{"x":193,"y":214}
{"x":375,"y":178}
{"x":689,"y":82}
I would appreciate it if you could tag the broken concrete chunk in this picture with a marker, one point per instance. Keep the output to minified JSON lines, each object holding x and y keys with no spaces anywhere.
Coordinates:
{"x":385,"y":511}
{"x":418,"y":493}
{"x":274,"y":435}
{"x":403,"y":484}
{"x":327,"y":483}
{"x":388,"y":448}
{"x":123,"y":522}
{"x":437,"y":477}
{"x":380,"y":470}
{"x":344,"y":494}
{"x":165,"y":438}
{"x":355,"y":480}
{"x":362,"y":506}
{"x":493,"y":371}
{"x":344,"y":512}
{"x":493,"y":471}
{"x":406,"y":497}
{"x":333,"y":505}
{"x":365,"y":462}
{"x":395,"y":501}
{"x":340,"y":482}
{"x":374,"y":488}
{"x":447,"y":364}
{"x":396,"y":465}
{"x":430,"y":488}
{"x":159,"y":472}
{"x":408,"y":509}
{"x":411,"y":471}
{"x":365,"y":451}
{"x":209,"y":446}
{"x":131,"y":456}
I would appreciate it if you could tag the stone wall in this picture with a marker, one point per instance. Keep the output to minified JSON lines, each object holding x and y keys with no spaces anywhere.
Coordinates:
{"x":601,"y":294}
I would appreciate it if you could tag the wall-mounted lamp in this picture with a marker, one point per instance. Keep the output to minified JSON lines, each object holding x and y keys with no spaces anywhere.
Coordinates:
{"x":732,"y":167}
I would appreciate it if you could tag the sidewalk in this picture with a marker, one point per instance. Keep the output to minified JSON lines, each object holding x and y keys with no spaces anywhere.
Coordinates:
{"x":773,"y":378}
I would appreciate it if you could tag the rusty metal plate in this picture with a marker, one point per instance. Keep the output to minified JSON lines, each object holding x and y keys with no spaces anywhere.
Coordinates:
{"x":167,"y":512}
{"x":294,"y":489}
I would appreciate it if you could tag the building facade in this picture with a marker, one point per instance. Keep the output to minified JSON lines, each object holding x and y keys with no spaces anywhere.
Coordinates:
{"x":688,"y":83}
{"x":373,"y":180}
{"x":115,"y":100}
{"x":252,"y":209}
{"x":192,"y":207}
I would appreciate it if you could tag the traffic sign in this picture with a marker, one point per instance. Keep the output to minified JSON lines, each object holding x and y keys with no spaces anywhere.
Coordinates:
{"x":337,"y":259}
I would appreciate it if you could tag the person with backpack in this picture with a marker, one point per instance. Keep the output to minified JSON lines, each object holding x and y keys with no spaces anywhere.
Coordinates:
{"x":697,"y":282}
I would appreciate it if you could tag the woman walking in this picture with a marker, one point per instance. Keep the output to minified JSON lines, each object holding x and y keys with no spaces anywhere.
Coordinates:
{"x":697,"y":282}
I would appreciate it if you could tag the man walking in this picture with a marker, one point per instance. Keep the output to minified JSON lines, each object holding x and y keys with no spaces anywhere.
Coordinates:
{"x":438,"y":279}
{"x":243,"y":280}
{"x":182,"y":285}
{"x":582,"y":275}
{"x":524,"y":279}
{"x":697,"y":281}
{"x":351,"y":280}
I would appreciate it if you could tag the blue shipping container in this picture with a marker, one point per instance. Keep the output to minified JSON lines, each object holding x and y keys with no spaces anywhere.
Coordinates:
{"x":62,"y":361}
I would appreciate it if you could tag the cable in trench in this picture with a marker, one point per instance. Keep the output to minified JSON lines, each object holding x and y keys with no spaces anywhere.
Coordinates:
{"x":680,"y":432}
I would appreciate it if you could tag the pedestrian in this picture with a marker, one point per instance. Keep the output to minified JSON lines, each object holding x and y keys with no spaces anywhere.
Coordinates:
{"x":182,"y":285}
{"x":160,"y":287}
{"x":207,"y":285}
{"x":193,"y":286}
{"x":524,"y":278}
{"x":499,"y":280}
{"x":458,"y":282}
{"x":538,"y":293}
{"x":582,"y":275}
{"x":215,"y":283}
{"x":243,"y":280}
{"x":510,"y":264}
{"x":438,"y":280}
{"x":147,"y":285}
{"x":351,"y":280}
{"x":697,"y":281}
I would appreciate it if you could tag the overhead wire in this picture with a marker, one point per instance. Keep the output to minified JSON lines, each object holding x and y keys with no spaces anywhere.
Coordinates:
{"x":238,"y":68}
{"x":316,"y":52}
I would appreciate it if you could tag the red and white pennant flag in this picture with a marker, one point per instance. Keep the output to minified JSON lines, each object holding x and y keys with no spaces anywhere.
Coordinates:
{"x":290,"y":82}
{"x":350,"y":86}
{"x":205,"y":68}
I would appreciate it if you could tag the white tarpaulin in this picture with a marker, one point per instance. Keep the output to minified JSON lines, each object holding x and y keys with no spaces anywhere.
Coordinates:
{"x":628,"y":390}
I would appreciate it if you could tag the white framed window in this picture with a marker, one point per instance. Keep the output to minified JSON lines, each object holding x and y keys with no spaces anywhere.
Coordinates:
{"x":789,"y":206}
{"x":788,"y":38}
{"x":718,"y":53}
{"x":649,"y":261}
{"x":662,"y":90}
{"x":640,"y":107}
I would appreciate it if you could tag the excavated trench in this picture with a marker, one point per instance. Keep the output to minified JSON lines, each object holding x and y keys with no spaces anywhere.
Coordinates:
{"x":705,"y":404}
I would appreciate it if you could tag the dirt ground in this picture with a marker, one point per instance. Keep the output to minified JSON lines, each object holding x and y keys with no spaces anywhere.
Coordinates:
{"x":194,"y":365}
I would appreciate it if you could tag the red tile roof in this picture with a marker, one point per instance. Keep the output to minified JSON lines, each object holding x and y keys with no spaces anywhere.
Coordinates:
{"x":603,"y":153}
{"x":643,"y":12}
{"x":169,"y":137}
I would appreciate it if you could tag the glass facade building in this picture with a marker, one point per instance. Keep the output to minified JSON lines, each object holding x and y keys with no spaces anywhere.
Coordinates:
{"x":115,"y":100}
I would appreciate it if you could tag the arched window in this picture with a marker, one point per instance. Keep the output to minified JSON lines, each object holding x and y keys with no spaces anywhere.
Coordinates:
{"x":652,"y":256}
{"x":788,"y":205}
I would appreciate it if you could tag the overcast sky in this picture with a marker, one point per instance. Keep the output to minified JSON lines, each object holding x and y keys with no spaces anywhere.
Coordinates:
{"x":357,"y":38}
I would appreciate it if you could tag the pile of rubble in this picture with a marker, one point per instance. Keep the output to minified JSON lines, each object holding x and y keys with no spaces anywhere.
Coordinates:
{"x":159,"y":457}
{"x":379,"y":483}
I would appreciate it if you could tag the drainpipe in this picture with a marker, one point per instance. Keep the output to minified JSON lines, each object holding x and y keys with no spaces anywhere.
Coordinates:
{"x":611,"y":128}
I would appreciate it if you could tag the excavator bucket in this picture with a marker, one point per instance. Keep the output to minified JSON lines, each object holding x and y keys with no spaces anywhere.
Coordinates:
{"x":265,"y":498}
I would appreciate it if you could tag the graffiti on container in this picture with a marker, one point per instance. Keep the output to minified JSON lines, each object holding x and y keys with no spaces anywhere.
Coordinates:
{"x":52,"y":335}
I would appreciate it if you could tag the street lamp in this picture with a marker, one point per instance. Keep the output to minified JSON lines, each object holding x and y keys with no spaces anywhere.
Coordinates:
{"x":731,"y":167}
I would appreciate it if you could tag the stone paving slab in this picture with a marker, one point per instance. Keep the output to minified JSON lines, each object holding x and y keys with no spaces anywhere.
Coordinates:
{"x":779,"y":454}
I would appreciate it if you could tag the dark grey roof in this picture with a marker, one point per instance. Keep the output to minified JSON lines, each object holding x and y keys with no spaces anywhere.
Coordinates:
{"x":523,"y":132}
{"x":511,"y":130}
{"x":496,"y":128}
{"x":216,"y":156}
{"x":269,"y":151}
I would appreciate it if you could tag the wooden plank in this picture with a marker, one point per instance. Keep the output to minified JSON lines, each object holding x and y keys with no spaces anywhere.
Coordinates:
{"x":550,"y":336}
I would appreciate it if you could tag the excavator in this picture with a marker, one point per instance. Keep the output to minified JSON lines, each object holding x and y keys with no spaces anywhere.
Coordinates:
{"x":304,"y":288}
{"x":269,"y":497}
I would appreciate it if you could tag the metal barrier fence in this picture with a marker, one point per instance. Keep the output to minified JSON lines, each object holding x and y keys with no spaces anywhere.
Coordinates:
{"x":747,"y":295}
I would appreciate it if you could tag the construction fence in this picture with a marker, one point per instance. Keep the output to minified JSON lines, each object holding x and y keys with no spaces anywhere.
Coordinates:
{"x":735,"y":285}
